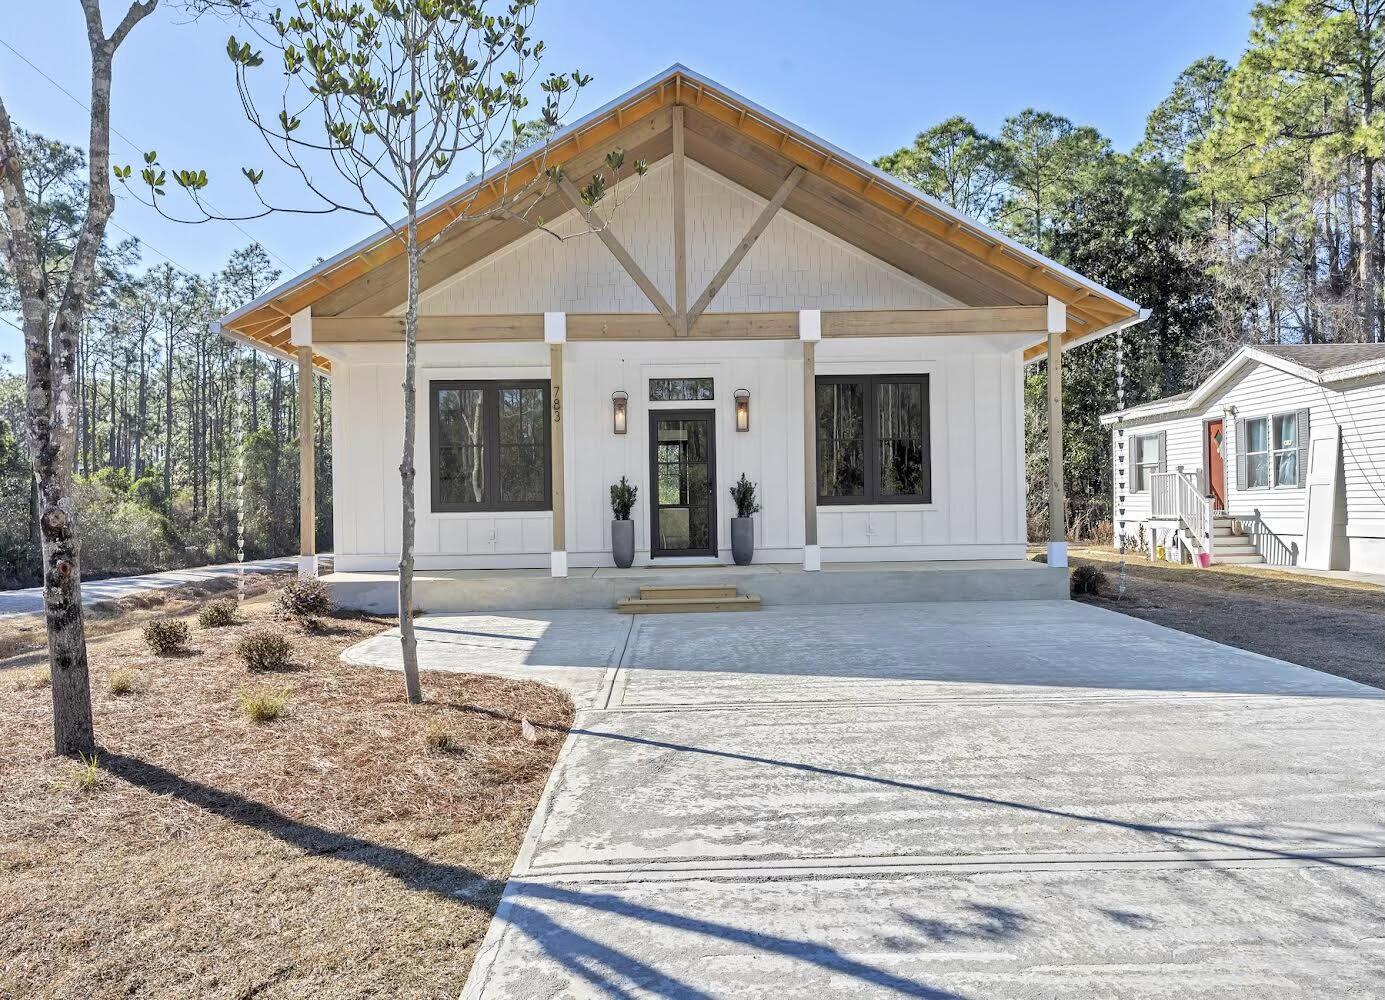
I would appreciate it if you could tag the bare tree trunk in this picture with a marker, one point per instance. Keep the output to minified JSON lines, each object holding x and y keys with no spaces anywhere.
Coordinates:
{"x":1366,"y":273}
{"x":408,"y":641}
{"x":50,"y":351}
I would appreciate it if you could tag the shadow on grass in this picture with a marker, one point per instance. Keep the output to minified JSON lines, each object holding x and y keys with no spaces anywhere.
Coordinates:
{"x":597,"y":963}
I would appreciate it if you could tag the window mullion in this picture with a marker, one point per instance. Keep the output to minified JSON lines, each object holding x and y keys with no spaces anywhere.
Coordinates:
{"x":871,"y":442}
{"x":490,"y":444}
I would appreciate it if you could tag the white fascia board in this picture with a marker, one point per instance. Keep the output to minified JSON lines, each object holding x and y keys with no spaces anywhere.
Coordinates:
{"x":1097,"y":334}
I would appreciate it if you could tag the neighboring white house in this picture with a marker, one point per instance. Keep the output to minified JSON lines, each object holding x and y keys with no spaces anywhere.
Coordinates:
{"x":1278,"y":457}
{"x":761,"y":303}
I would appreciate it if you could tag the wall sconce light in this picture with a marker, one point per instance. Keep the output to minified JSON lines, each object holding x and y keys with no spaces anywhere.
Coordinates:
{"x":619,"y":403}
{"x":742,"y":397}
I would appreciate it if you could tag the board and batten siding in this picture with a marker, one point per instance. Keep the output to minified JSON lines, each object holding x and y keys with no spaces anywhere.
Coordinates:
{"x":1259,"y":391}
{"x":976,"y":431}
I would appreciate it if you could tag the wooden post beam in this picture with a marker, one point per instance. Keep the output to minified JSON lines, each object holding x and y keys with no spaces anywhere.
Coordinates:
{"x":809,"y":332}
{"x":307,"y":485}
{"x":1057,"y":501}
{"x":761,"y":222}
{"x":680,"y":226}
{"x":603,"y":231}
{"x":555,"y":335}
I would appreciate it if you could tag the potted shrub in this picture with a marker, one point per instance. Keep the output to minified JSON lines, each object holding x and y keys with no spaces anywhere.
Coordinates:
{"x":742,"y":527}
{"x":622,"y":528}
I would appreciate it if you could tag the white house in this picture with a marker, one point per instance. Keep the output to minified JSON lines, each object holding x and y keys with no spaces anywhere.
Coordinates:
{"x":1278,"y":457}
{"x":761,"y":303}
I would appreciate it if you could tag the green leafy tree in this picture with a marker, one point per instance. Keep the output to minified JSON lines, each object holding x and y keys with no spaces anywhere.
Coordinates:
{"x":1046,"y":155}
{"x":1294,"y":156}
{"x":388,"y":98}
{"x":955,"y":163}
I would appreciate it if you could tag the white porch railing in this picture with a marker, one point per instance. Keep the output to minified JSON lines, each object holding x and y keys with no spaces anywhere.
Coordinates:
{"x":1178,"y":496}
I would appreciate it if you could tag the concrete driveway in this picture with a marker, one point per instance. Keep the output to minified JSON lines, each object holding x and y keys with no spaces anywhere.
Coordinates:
{"x":1025,"y":799}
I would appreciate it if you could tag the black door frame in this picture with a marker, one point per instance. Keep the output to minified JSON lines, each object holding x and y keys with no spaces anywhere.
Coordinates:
{"x":709,"y":414}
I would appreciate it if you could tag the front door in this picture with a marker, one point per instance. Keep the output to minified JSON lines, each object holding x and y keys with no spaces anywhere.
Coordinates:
{"x":682,"y":467}
{"x":1215,"y":447}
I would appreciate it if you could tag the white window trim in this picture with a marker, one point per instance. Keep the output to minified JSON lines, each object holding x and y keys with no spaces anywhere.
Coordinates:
{"x":1152,"y":466}
{"x":1272,"y":453}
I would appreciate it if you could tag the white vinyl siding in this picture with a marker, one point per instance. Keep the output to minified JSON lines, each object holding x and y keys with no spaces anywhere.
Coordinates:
{"x":1263,"y":393}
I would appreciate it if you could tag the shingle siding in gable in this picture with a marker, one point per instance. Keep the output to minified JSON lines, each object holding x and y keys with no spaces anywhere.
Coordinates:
{"x":794,"y":265}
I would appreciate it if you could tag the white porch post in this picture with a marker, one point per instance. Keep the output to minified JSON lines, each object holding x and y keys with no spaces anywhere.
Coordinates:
{"x":301,"y":337}
{"x":555,"y":335}
{"x":809,"y":333}
{"x":1057,"y":500}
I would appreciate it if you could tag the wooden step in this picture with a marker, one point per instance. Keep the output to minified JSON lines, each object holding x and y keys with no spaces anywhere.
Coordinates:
{"x":687,"y":605}
{"x":687,"y":590}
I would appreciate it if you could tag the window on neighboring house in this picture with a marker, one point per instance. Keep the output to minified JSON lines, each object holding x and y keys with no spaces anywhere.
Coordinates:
{"x":1285,"y":451}
{"x":872,"y":439}
{"x":1147,"y":461}
{"x":1271,"y":448}
{"x":490,"y":446}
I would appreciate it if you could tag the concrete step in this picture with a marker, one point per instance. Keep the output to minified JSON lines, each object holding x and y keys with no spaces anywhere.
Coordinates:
{"x":1237,"y":559}
{"x":687,"y":605}
{"x":1234,"y":545}
{"x":686,"y":591}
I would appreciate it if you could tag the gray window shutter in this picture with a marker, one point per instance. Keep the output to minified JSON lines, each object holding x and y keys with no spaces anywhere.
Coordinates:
{"x":1163,"y":451}
{"x":1240,"y":454}
{"x":1302,"y":448}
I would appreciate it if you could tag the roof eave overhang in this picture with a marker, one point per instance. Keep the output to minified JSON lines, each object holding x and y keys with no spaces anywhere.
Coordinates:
{"x":667,"y":87}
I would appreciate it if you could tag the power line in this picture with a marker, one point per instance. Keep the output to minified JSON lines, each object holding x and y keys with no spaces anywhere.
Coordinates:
{"x":138,"y":149}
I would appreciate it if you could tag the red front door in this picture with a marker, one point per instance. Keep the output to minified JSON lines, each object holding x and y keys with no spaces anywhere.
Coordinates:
{"x":1216,"y":462}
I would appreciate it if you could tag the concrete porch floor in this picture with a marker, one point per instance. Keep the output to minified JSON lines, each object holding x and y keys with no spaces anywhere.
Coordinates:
{"x":497,"y":590}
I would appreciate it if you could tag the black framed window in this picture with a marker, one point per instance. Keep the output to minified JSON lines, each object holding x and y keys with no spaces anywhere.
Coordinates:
{"x":491,"y":447}
{"x":872,"y":439}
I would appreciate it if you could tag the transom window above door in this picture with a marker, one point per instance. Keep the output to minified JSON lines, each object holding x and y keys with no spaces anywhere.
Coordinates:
{"x":873,"y":439}
{"x":489,"y":445}
{"x":680,"y":390}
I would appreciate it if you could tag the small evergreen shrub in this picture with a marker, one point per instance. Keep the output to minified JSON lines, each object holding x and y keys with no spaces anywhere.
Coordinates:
{"x":165,"y":636}
{"x":121,"y":682}
{"x":303,"y":599}
{"x":743,"y":495}
{"x":264,"y":650}
{"x":1087,"y":580}
{"x":263,"y":705}
{"x":87,"y":776}
{"x":436,"y":739}
{"x":623,"y":499}
{"x":217,"y":614}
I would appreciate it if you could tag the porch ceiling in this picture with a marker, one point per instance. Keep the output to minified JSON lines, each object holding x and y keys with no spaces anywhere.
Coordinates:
{"x":739,"y":140}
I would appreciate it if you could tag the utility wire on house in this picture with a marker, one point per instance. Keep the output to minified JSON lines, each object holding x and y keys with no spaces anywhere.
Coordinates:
{"x":141,"y":150}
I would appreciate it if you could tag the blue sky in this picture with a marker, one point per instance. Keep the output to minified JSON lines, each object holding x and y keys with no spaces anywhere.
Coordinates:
{"x":866,"y":76}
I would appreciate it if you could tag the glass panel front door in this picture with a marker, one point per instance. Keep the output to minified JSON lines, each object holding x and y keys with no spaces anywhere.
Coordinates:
{"x":683,"y":470}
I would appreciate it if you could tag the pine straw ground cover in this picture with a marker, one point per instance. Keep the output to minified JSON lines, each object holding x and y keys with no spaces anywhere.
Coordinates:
{"x":340,"y":850}
{"x":25,"y":634}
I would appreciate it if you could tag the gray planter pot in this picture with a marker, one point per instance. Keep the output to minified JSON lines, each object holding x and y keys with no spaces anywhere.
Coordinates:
{"x":623,"y":543}
{"x":742,"y":540}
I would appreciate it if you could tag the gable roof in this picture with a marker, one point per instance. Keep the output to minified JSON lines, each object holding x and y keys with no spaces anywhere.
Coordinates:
{"x":1317,"y":364}
{"x":737,"y":138}
{"x":1323,"y":358}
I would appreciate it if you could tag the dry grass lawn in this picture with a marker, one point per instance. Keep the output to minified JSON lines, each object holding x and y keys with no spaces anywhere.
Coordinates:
{"x":351,"y":847}
{"x":1330,"y":624}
